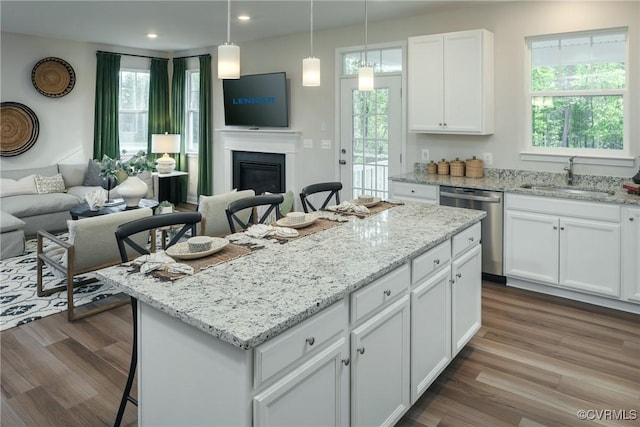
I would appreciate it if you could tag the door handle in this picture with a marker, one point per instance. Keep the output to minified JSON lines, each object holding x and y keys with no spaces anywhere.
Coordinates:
{"x":342,"y":162}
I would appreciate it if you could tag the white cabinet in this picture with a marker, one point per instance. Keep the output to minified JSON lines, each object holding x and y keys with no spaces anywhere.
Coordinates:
{"x":412,"y":192}
{"x":430,"y":330}
{"x":466,"y":297}
{"x":315,"y":394}
{"x":631,"y":254}
{"x":573,"y":245}
{"x":380,"y":367}
{"x":450,"y":83}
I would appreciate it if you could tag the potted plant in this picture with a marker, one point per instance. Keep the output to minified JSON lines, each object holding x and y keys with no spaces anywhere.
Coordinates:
{"x":132,"y":188}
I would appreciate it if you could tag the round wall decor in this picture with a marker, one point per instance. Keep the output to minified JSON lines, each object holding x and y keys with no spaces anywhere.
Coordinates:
{"x":53,"y":77}
{"x":19,"y":128}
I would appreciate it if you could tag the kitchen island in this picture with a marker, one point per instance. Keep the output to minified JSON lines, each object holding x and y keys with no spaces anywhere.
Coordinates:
{"x":228,"y":344}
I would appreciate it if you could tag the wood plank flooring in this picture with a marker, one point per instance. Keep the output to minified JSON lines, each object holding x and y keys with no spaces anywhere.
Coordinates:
{"x":537,"y":361}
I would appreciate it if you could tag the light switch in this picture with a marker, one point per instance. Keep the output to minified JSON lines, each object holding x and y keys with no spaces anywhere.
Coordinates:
{"x":307,"y":143}
{"x":325,"y":144}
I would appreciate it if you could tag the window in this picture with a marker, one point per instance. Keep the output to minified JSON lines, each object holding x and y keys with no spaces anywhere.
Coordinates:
{"x":193,"y":110}
{"x":577,"y":98}
{"x":134,"y":110}
{"x":384,"y":61}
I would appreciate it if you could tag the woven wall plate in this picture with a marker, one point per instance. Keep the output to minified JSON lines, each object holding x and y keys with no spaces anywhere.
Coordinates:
{"x":53,"y":77}
{"x":19,"y":128}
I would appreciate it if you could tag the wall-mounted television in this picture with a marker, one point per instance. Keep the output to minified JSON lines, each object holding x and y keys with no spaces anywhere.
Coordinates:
{"x":256,"y":100}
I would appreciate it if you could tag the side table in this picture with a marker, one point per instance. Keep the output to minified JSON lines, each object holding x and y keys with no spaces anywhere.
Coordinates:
{"x":169,"y":186}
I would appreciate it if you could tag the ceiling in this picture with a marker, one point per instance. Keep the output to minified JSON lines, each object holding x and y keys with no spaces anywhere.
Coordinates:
{"x":183,"y":25}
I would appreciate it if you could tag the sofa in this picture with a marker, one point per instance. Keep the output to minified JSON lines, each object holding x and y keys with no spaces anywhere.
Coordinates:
{"x":40,"y":198}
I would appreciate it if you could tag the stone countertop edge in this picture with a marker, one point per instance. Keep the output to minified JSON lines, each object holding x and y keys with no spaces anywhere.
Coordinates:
{"x":245,"y":315}
{"x":511,"y":181}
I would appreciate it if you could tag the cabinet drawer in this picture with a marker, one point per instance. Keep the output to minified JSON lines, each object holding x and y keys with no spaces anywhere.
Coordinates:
{"x":427,"y":263}
{"x":466,"y":239}
{"x":421,"y":191}
{"x":378,"y":293}
{"x":282,"y":351}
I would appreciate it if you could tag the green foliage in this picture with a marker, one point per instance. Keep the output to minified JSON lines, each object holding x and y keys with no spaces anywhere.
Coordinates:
{"x":133,"y":166}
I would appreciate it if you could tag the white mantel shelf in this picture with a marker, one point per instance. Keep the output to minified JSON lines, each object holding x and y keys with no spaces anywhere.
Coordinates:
{"x":281,"y":141}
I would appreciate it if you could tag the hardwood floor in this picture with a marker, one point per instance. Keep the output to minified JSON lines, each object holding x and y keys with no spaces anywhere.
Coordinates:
{"x":537,"y":361}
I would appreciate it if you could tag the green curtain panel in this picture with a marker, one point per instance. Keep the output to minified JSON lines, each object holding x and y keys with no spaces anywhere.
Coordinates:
{"x":205,"y":146}
{"x":178,"y":87}
{"x":105,"y":134}
{"x":158,"y":101}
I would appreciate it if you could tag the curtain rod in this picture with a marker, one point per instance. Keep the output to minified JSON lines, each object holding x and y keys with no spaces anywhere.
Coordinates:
{"x":153,"y":57}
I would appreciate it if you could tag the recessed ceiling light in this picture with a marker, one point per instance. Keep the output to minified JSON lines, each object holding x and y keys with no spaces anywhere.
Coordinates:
{"x":152,"y":36}
{"x":244,"y":17}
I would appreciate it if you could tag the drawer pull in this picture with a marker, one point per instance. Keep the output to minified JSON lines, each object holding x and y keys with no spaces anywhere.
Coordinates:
{"x":561,"y":228}
{"x":413,"y":191}
{"x":360,"y":350}
{"x":387,"y":292}
{"x":555,"y":227}
{"x":436,"y":261}
{"x":346,"y":361}
{"x":631,"y":219}
{"x":311,"y":340}
{"x":471,"y":239}
{"x":458,"y":275}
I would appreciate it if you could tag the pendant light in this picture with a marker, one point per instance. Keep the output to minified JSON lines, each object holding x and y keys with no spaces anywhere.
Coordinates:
{"x":365,"y":73}
{"x":311,"y":65}
{"x":228,"y":54}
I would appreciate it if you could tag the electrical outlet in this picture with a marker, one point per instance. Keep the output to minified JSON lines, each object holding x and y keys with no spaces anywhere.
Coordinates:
{"x":326,"y":144}
{"x":307,"y":143}
{"x":488,"y":159}
{"x":425,"y":155}
{"x":323,"y":126}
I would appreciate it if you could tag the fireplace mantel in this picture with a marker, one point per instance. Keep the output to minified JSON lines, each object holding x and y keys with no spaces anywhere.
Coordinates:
{"x":261,"y":141}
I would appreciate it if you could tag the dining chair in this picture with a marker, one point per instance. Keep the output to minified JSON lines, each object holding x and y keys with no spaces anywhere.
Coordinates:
{"x":272,"y":201}
{"x":332,"y":187}
{"x":87,"y":249}
{"x":127,"y":241}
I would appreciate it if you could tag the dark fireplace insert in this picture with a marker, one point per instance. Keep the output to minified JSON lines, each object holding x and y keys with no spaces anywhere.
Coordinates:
{"x":260,"y":172}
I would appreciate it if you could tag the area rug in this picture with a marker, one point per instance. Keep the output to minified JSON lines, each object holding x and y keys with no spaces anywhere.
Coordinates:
{"x":19,"y":303}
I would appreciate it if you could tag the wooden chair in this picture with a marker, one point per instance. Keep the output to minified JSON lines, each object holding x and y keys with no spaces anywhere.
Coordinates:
{"x":126,"y":240}
{"x":273,"y":202}
{"x":90,"y":247}
{"x":332,"y":187}
{"x":213,"y":209}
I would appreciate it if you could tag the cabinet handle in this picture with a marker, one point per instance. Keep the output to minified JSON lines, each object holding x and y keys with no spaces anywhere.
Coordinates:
{"x":413,"y":191}
{"x":436,"y":261}
{"x":555,"y":227}
{"x":561,"y":228}
{"x":311,"y":340}
{"x":471,"y":239}
{"x":439,"y":124}
{"x":458,"y":275}
{"x":631,"y":219}
{"x":360,"y":350}
{"x":452,"y":281}
{"x":346,"y":361}
{"x":445,"y":125}
{"x":387,"y":292}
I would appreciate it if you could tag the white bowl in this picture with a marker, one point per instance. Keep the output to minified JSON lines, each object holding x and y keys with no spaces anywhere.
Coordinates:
{"x":365,"y":198}
{"x":296,"y":217}
{"x":199,"y":243}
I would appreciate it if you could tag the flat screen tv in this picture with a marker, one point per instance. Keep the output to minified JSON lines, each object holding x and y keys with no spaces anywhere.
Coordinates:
{"x":256,"y":100}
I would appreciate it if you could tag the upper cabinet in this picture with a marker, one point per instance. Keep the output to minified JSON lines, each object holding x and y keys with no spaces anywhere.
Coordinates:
{"x":451,"y":83}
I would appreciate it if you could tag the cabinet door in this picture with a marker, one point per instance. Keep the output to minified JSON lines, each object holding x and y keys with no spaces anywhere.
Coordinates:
{"x":531,"y":246}
{"x":380,"y":367}
{"x":466,"y":297}
{"x":590,"y":256}
{"x":463,"y":91}
{"x":315,"y":394}
{"x":425,"y":76}
{"x":631,"y":254}
{"x":430,"y":331}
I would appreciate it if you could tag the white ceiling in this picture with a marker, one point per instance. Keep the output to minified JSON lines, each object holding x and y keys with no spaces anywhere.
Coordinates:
{"x":183,"y":25}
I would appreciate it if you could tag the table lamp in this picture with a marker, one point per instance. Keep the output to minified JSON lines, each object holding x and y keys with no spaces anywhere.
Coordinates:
{"x":165,"y":143}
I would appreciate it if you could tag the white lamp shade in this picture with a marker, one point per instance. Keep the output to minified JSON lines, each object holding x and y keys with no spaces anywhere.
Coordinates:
{"x":165,"y":143}
{"x":311,"y":71}
{"x":365,"y":78}
{"x":228,"y":61}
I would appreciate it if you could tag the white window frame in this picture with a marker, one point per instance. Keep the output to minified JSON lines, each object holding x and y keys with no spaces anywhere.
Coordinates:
{"x":190,"y":146}
{"x":129,"y":151}
{"x":560,"y":154}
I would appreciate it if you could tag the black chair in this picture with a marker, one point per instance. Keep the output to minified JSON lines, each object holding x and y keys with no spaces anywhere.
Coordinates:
{"x":189,"y":221}
{"x":235,"y":207}
{"x":332,"y":187}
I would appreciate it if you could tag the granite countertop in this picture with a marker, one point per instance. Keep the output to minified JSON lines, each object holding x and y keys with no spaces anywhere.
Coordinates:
{"x":252,"y":298}
{"x":510,"y":180}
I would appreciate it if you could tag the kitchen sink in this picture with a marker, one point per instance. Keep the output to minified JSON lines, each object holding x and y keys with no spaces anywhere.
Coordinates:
{"x":568,"y":190}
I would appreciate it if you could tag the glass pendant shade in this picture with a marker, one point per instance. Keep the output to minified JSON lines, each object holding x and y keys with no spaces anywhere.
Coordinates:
{"x":228,"y":61}
{"x":365,"y":78}
{"x":311,"y":71}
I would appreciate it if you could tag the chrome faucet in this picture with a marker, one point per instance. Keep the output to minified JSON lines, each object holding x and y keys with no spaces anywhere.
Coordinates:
{"x":569,"y":169}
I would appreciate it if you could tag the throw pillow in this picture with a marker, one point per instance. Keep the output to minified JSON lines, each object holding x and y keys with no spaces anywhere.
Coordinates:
{"x":12,"y":187}
{"x":50,"y":184}
{"x":92,"y":178}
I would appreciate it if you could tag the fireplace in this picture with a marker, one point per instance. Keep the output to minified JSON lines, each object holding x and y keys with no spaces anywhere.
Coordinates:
{"x":260,"y":172}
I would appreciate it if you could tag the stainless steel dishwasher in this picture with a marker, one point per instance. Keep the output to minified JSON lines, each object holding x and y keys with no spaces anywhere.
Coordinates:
{"x":490,"y":202}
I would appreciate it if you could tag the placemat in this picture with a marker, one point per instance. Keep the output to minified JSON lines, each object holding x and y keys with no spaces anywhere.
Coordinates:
{"x":320,"y":225}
